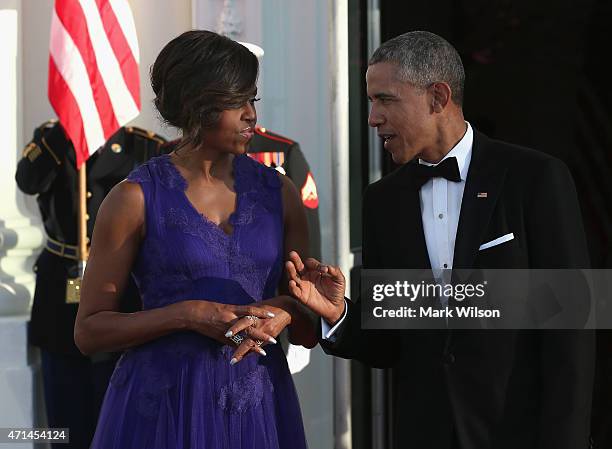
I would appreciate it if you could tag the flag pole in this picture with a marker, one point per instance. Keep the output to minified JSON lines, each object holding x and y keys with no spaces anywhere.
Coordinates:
{"x":89,"y":130}
{"x":73,"y":284}
{"x":82,"y":219}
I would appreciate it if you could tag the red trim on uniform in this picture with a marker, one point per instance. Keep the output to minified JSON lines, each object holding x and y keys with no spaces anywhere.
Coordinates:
{"x":257,"y":157}
{"x":279,"y":139}
{"x":310,"y":198}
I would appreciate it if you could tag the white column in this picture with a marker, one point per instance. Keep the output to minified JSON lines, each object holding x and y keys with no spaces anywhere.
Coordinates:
{"x":19,"y":239}
{"x":338,"y":56}
{"x":375,"y":147}
{"x":379,"y":415}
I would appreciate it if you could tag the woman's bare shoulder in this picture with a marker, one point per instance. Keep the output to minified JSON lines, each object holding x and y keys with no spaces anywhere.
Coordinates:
{"x":123,"y":206}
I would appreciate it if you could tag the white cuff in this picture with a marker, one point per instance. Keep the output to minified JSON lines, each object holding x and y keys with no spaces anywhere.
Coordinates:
{"x":328,"y":333}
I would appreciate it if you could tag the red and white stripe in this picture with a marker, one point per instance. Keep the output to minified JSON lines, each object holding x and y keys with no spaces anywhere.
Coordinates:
{"x":94,"y":84}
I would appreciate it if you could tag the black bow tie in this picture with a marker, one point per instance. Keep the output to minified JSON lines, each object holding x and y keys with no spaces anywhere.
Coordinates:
{"x":448,"y":169}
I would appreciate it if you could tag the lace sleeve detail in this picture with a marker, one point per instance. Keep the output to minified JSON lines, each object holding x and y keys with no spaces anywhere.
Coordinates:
{"x":140,"y":174}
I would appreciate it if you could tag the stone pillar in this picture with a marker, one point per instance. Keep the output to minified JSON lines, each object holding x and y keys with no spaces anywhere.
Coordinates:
{"x":20,"y":237}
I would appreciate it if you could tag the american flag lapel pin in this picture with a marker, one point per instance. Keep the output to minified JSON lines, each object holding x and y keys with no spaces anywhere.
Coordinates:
{"x":481,"y":195}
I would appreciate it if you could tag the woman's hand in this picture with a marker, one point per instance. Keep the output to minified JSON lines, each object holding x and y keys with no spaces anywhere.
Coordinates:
{"x":213,"y":319}
{"x":288,"y":314}
{"x":304,"y":323}
{"x":257,"y":332}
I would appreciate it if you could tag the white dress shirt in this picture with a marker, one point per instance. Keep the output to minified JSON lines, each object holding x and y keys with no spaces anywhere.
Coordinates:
{"x":440,"y":208}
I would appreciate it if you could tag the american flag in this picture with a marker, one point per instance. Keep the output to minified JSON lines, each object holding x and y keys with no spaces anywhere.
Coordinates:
{"x":94,"y":86}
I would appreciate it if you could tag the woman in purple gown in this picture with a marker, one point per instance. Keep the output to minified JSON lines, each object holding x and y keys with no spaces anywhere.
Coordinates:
{"x":204,"y":231}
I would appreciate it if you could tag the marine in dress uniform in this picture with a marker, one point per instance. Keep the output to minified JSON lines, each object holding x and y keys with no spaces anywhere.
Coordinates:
{"x":285,"y":155}
{"x":74,"y":384}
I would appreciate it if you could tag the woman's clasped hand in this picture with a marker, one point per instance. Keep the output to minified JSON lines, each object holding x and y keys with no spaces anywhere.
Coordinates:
{"x":247,"y":327}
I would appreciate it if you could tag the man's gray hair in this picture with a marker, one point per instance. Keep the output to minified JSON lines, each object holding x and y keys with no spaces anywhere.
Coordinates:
{"x":424,"y":58}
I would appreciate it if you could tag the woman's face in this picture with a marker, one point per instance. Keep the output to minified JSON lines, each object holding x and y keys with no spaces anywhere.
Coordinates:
{"x":234,"y":129}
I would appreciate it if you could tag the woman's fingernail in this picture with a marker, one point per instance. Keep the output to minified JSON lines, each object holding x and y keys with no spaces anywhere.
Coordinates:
{"x":272,"y":340}
{"x":228,"y":334}
{"x":233,"y":361}
{"x":270,"y":314}
{"x":262,"y":352}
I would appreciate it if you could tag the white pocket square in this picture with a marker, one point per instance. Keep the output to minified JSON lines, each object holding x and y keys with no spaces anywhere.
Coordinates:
{"x":497,"y":241}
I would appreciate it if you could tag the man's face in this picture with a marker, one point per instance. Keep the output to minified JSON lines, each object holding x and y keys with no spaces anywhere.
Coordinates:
{"x":401,"y":113}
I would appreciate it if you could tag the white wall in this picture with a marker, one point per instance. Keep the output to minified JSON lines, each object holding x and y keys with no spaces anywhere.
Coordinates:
{"x":157,"y":22}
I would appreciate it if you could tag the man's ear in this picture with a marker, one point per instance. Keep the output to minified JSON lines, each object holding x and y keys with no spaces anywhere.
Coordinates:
{"x":440,"y":96}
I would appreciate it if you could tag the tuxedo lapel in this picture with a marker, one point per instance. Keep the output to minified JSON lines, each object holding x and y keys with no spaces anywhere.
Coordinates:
{"x":484,"y":182}
{"x":411,"y":245}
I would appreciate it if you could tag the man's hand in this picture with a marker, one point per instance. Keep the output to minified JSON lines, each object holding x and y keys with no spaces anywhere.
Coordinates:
{"x":319,"y":287}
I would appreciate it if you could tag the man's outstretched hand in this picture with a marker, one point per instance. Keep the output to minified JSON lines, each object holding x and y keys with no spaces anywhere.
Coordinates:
{"x":319,"y":287}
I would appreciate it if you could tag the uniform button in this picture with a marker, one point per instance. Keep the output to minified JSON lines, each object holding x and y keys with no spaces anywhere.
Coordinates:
{"x":116,"y":148}
{"x":448,"y":358}
{"x":445,"y":265}
{"x":441,"y":216}
{"x":86,"y":216}
{"x":89,"y":194}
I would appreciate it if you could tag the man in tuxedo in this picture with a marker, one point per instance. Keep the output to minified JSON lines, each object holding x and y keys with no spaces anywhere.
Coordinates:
{"x":460,"y":200}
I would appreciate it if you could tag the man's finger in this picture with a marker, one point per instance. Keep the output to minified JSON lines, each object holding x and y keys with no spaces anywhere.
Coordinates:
{"x":291,"y":271}
{"x":335,"y":272}
{"x":295,"y":290}
{"x":297,"y":261}
{"x":314,"y":265}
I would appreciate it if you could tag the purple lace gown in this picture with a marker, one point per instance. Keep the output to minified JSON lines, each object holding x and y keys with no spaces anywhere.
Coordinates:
{"x":179,"y":391}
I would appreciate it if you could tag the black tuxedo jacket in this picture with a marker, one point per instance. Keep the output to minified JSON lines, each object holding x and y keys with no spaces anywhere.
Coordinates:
{"x":483,"y":389}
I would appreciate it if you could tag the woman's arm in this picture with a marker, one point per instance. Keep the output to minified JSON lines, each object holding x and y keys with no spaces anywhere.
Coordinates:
{"x":119,"y":229}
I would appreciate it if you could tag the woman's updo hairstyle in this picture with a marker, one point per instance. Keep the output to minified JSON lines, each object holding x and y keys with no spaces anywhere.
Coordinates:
{"x":199,"y":74}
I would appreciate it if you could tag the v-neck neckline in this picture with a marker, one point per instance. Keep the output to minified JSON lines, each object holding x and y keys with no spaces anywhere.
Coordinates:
{"x":231,"y":220}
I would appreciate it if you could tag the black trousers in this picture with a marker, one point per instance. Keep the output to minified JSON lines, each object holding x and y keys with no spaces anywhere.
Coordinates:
{"x":74,"y":390}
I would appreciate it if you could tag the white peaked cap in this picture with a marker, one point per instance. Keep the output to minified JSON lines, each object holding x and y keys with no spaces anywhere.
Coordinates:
{"x":255,"y":49}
